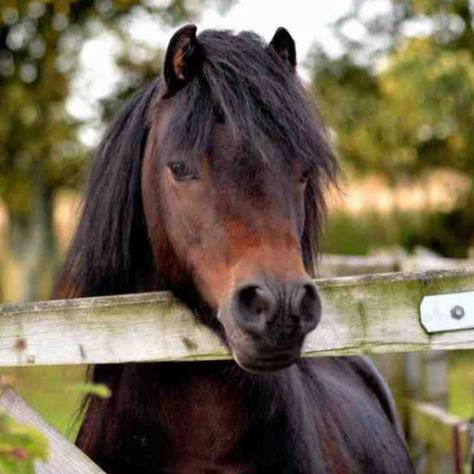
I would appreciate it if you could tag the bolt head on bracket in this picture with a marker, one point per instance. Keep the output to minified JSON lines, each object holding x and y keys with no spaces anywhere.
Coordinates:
{"x":448,"y":312}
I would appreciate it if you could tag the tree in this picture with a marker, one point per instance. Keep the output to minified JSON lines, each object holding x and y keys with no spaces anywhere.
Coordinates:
{"x":39,"y":148}
{"x":403,"y":106}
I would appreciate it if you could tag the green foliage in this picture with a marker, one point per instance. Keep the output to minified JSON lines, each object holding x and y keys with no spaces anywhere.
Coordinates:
{"x":351,"y":102}
{"x":40,"y":42}
{"x":37,"y":140}
{"x":369,"y":231}
{"x":20,"y":446}
{"x":430,"y":93}
{"x":97,"y":389}
{"x":461,"y":383}
{"x":48,"y":391}
{"x":405,"y":109}
{"x":415,"y":114}
{"x":412,"y":111}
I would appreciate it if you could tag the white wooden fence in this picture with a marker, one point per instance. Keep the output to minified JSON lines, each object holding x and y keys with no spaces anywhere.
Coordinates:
{"x":363,"y":314}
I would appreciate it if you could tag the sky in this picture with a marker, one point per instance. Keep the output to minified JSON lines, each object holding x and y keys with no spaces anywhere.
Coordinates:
{"x":308,"y":21}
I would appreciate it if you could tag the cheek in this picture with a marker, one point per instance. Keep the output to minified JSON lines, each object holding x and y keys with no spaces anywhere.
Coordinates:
{"x":189,"y":211}
{"x":197,"y":236}
{"x":155,"y":217}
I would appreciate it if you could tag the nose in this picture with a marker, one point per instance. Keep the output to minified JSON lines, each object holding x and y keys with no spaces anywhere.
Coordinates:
{"x":283,"y":312}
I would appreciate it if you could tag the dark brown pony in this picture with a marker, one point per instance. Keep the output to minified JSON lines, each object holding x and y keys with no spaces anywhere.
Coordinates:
{"x":210,"y":183}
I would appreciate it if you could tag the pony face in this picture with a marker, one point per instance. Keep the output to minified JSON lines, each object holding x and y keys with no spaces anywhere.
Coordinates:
{"x":230,"y":200}
{"x":234,"y":223}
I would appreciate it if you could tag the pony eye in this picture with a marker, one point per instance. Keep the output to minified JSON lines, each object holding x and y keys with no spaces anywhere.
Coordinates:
{"x":220,"y":117}
{"x":179,"y":170}
{"x":304,"y":177}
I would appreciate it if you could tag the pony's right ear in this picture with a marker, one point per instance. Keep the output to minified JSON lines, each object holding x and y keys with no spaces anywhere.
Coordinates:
{"x":284,"y":44}
{"x":183,"y":57}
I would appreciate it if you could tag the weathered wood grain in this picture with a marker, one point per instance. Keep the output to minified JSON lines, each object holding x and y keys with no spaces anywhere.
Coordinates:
{"x":331,"y":265}
{"x":368,"y":314}
{"x":63,"y":455}
{"x":444,"y":437}
{"x":436,"y":426}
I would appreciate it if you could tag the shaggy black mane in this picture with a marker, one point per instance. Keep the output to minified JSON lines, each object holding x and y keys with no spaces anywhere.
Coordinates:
{"x":241,"y":81}
{"x":246,"y":83}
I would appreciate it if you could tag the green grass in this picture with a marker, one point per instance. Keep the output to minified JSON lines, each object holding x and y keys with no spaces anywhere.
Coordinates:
{"x":362,"y":233}
{"x":461,"y":383}
{"x":50,"y":391}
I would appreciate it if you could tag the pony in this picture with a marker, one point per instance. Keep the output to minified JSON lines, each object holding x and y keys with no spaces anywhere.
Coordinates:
{"x":212,"y":183}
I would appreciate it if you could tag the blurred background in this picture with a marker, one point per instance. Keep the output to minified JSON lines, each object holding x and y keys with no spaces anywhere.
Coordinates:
{"x":394,"y":80}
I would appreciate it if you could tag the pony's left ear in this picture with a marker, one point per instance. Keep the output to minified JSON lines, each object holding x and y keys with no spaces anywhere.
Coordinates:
{"x":182,"y":59}
{"x":283,"y":43}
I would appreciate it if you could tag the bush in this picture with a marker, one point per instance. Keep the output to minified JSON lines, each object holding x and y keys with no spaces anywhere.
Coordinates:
{"x":447,"y":233}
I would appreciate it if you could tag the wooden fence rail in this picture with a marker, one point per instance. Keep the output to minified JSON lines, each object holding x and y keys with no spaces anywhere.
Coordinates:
{"x":443,"y":437}
{"x":422,"y":259}
{"x":364,"y":314}
{"x":63,"y":457}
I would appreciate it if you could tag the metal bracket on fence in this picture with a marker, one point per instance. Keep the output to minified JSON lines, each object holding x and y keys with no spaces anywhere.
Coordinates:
{"x":448,"y":312}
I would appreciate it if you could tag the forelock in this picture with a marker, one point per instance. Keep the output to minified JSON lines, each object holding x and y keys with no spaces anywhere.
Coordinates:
{"x":245,"y":82}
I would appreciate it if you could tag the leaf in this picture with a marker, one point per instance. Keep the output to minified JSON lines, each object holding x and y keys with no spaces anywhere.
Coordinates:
{"x":20,"y":446}
{"x":98,"y":389}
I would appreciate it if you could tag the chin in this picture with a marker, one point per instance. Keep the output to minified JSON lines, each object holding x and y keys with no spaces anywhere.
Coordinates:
{"x":264,"y":365}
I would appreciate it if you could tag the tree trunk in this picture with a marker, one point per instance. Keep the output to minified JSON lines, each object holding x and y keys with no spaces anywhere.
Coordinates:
{"x":31,"y":258}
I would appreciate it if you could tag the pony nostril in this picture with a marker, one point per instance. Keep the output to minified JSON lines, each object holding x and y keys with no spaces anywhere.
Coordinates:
{"x":308,"y":304}
{"x":309,"y":296}
{"x":310,"y":291}
{"x":253,"y":305}
{"x":254,"y":300}
{"x":263,"y":310}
